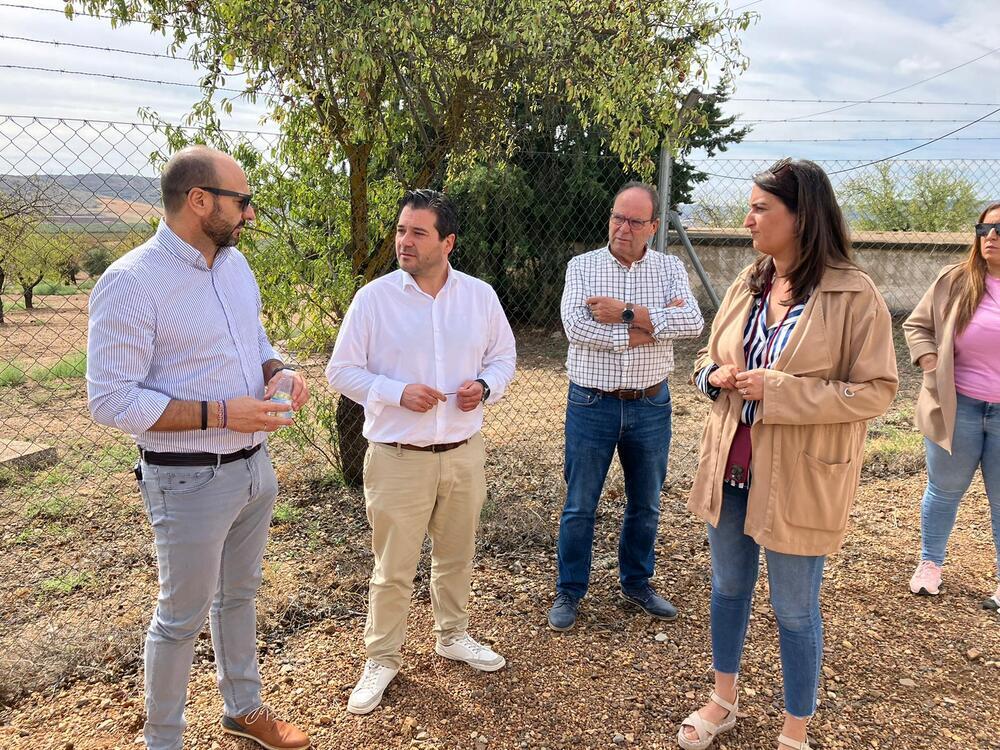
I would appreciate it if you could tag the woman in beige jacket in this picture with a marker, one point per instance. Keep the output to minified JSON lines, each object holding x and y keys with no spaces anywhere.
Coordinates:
{"x":954,"y":336}
{"x":799,"y":358}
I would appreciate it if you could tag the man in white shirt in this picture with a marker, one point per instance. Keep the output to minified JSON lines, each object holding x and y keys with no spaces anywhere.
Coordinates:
{"x":422,"y":349}
{"x":622,"y":306}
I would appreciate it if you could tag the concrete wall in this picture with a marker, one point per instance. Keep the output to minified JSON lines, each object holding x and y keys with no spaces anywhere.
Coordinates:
{"x":902,"y":264}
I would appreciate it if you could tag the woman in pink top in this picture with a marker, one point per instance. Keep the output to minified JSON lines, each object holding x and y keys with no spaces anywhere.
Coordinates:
{"x":954,"y":336}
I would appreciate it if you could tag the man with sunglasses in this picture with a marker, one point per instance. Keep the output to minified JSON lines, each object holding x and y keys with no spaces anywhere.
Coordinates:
{"x":178,"y":359}
{"x":622,"y":306}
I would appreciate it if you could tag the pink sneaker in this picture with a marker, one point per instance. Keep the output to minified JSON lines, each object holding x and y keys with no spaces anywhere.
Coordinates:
{"x":926,"y":578}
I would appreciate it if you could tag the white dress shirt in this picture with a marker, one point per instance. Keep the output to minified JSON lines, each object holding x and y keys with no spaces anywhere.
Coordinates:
{"x":599,"y":355}
{"x":395,"y":334}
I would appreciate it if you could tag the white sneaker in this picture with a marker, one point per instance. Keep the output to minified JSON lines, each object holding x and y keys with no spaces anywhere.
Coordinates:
{"x":464,"y":648}
{"x":367,"y":694}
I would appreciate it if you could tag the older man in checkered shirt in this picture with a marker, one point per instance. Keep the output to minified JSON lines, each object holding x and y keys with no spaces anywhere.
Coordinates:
{"x":621,"y":308}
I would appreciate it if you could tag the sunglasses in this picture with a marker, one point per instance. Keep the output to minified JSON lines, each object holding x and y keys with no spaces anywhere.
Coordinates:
{"x":984,"y":229}
{"x":246,"y":199}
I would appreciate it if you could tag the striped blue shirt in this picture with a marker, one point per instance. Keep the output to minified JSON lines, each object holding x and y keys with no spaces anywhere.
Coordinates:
{"x":762,"y":345}
{"x":163,"y":325}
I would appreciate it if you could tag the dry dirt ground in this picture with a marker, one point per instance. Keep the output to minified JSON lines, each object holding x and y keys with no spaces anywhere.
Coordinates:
{"x":77,"y":582}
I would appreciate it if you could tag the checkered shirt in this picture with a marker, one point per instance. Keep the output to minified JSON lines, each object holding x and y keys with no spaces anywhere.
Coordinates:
{"x":599,"y":355}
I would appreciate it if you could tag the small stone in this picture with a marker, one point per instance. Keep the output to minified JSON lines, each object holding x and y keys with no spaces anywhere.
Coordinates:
{"x":907,"y":682}
{"x":619,"y":739}
{"x":847,"y":644}
{"x":661,"y":637}
{"x":325,"y":721}
{"x":408,"y":727}
{"x":828,"y":671}
{"x":973,"y":653}
{"x":287,"y":668}
{"x":105,"y":702}
{"x":423,"y":735}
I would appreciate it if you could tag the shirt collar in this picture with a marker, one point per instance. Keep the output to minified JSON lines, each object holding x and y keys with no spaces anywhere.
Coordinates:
{"x":406,"y":280}
{"x":613,"y":259}
{"x":182,"y":250}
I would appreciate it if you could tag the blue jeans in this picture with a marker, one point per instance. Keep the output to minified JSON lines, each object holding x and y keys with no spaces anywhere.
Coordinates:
{"x":794,"y":581}
{"x":976,"y":445}
{"x":596,"y":425}
{"x":210,"y":525}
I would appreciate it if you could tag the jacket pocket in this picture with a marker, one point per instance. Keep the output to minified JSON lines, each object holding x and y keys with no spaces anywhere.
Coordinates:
{"x":820,"y":494}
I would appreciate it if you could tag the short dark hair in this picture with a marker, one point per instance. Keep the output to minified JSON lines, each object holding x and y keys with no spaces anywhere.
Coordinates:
{"x":192,"y":166}
{"x":445,"y":213}
{"x":654,"y":197}
{"x":820,"y":227}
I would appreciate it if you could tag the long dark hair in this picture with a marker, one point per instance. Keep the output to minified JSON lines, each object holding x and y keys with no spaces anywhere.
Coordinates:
{"x":820,"y":228}
{"x":971,"y":286}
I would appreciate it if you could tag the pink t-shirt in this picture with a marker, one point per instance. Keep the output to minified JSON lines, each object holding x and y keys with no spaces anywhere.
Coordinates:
{"x":977,"y":349}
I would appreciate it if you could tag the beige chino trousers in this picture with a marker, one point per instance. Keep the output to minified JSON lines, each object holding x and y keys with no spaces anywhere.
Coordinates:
{"x":409,"y":494}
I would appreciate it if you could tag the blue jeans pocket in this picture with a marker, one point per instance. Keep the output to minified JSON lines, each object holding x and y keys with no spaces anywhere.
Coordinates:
{"x":661,"y":398}
{"x":579,"y":396}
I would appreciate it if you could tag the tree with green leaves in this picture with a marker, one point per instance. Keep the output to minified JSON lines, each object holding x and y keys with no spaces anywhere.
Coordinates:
{"x":377,"y":96}
{"x":933,"y":200}
{"x":20,"y":212}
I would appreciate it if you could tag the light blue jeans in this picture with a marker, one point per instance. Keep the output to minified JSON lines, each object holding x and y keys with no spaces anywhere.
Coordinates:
{"x":210,"y":525}
{"x":976,"y":445}
{"x":794,"y":581}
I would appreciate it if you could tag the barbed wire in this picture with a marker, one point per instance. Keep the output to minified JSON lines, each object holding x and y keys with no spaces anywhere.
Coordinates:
{"x":880,"y":160}
{"x":56,"y":43}
{"x":62,"y":12}
{"x":39,"y":69}
{"x":908,"y":86}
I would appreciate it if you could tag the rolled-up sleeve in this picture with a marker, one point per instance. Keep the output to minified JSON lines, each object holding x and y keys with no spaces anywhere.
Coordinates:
{"x":120,"y":346}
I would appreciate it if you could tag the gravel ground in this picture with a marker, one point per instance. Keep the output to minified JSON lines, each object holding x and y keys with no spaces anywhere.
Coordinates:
{"x":899,"y":671}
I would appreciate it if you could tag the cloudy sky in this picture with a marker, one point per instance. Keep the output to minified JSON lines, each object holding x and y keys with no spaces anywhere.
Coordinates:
{"x":798,"y":49}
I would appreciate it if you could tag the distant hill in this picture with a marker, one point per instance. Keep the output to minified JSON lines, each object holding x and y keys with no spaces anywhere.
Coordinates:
{"x":90,"y":201}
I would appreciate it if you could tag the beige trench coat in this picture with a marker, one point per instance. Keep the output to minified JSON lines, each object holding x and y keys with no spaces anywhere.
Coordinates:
{"x":837,"y":371}
{"x":930,"y":329}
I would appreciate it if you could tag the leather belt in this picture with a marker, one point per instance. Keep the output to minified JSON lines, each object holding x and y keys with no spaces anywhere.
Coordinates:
{"x":634,"y":394}
{"x":195,"y":459}
{"x":438,"y":448}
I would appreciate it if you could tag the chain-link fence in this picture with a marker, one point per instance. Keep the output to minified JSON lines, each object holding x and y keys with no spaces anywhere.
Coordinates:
{"x":77,"y":573}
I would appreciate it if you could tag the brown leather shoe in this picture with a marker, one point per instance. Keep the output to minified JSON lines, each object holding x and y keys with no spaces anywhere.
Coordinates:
{"x":266,"y":729}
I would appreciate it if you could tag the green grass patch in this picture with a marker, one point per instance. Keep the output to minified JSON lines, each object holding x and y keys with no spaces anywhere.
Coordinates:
{"x":11,"y":374}
{"x":48,"y":287}
{"x":36,"y":535}
{"x":11,"y":305}
{"x":286,"y":513}
{"x":890,"y":444}
{"x":52,"y":509}
{"x":67,"y":584}
{"x":8,"y":477}
{"x":71,"y":366}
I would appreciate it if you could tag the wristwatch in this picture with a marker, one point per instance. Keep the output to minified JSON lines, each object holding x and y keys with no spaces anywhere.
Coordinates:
{"x":486,"y":388}
{"x":628,"y":314}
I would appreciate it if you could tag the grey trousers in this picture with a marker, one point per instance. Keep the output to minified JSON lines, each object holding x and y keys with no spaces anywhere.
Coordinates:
{"x":210,"y":526}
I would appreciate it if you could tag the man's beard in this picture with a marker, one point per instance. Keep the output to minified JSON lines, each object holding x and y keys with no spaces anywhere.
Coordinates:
{"x":219,"y":231}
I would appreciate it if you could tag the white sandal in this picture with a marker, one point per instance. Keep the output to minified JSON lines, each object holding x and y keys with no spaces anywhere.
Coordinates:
{"x":706,"y":730}
{"x":794,"y":744}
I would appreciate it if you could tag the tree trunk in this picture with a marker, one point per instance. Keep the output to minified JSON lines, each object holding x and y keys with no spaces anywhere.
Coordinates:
{"x":29,"y":291}
{"x":3,"y":278}
{"x":350,"y":417}
{"x":351,"y":443}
